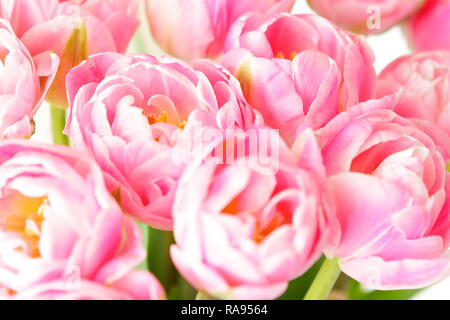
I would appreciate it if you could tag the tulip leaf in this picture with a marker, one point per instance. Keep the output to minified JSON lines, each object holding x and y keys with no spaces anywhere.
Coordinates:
{"x":391,"y":295}
{"x":355,"y":292}
{"x":158,"y":262}
{"x":158,"y":257}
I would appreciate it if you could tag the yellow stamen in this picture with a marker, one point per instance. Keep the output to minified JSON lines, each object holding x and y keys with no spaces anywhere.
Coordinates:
{"x":293,"y":55}
{"x":261,"y":233}
{"x":279,"y":55}
{"x":24,"y":216}
{"x":162,"y":117}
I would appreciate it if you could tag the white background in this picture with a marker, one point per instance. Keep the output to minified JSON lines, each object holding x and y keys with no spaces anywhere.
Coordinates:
{"x":387,"y":47}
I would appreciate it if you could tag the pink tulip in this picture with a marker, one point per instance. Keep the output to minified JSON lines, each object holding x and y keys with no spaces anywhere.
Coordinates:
{"x":71,"y":29}
{"x":24,"y":83}
{"x":255,"y":220}
{"x":366,"y":16}
{"x":197,"y":28}
{"x":133,"y":114}
{"x":62,"y":236}
{"x":392,"y":196}
{"x":428,"y":29}
{"x":423,"y":83}
{"x":316,"y":73}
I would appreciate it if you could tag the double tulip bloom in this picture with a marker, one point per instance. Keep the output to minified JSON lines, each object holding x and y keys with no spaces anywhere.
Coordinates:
{"x":134,"y":114}
{"x":422,"y":81}
{"x":71,"y":29}
{"x":255,"y":220}
{"x":24,"y":83}
{"x":391,"y":191}
{"x":286,"y":148}
{"x":309,"y":79}
{"x":137,"y":114}
{"x":62,"y":235}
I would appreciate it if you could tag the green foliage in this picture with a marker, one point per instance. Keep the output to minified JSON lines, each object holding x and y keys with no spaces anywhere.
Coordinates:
{"x":355,"y":292}
{"x":298,"y":287}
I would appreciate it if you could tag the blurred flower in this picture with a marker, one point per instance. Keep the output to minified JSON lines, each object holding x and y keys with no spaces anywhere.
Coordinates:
{"x":429,"y":28}
{"x":24,"y":83}
{"x":71,"y":29}
{"x":62,"y":236}
{"x":422,"y":81}
{"x":133,"y":114}
{"x":392,"y":195}
{"x":319,"y":72}
{"x":366,"y":16}
{"x":197,"y":28}
{"x":255,"y":221}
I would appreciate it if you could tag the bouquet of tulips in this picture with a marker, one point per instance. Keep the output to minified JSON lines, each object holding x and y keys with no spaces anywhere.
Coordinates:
{"x":261,"y":157}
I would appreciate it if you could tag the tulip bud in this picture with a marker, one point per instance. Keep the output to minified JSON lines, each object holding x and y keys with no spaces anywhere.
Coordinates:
{"x":197,"y":28}
{"x":74,"y":53}
{"x":429,"y":28}
{"x":366,"y":16}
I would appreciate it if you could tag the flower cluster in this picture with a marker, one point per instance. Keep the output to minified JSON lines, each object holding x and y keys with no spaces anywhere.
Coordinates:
{"x":288,"y":146}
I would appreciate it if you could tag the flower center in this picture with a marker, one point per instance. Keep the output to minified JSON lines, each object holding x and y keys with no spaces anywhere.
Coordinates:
{"x":261,"y":232}
{"x":280,"y":55}
{"x":3,"y":54}
{"x":162,"y":117}
{"x":23,"y":216}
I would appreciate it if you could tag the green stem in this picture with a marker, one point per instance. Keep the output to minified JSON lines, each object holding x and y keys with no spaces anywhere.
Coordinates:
{"x":58,"y":117}
{"x":145,"y":231}
{"x":203,"y":296}
{"x":186,"y":291}
{"x":158,"y":253}
{"x":324,"y":281}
